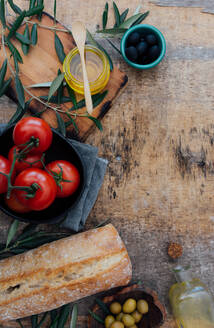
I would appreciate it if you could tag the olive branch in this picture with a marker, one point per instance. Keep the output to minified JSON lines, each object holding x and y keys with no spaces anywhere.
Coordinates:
{"x":57,"y":86}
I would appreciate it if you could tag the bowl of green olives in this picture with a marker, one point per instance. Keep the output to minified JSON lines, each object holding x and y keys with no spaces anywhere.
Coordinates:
{"x":131,"y":307}
{"x":143,"y":46}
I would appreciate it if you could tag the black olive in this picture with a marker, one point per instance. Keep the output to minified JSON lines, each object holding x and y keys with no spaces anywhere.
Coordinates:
{"x":151,"y":39}
{"x":131,"y":53}
{"x":134,"y":38}
{"x":144,"y":60}
{"x":142,"y":48}
{"x":153,"y":52}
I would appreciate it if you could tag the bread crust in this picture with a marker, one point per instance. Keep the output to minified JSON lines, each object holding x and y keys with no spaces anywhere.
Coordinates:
{"x":62,"y":272}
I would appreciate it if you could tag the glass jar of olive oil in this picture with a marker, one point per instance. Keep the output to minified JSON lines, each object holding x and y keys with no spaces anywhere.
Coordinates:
{"x":192,"y":303}
{"x":97,"y":66}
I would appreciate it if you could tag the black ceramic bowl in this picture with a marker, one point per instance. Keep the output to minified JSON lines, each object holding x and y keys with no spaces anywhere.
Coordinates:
{"x":60,"y":149}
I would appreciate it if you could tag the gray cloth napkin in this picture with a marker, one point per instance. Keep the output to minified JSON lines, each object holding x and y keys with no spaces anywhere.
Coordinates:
{"x":96,"y":168}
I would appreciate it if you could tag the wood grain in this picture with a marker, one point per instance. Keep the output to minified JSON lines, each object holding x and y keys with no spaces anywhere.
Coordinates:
{"x":158,"y":138}
{"x":207,"y":5}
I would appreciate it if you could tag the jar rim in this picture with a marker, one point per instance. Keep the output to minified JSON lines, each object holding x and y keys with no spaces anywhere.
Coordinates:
{"x":74,"y":52}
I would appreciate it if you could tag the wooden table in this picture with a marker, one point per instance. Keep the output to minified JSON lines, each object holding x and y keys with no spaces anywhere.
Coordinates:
{"x":158,"y":138}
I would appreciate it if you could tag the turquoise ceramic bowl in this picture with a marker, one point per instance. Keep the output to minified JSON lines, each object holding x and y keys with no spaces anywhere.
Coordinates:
{"x":144,"y":29}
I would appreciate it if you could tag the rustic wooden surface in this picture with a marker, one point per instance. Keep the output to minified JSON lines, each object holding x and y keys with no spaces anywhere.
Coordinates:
{"x":158,"y":138}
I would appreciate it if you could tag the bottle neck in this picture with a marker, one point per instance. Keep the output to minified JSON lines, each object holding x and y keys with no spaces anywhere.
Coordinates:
{"x":182,"y":274}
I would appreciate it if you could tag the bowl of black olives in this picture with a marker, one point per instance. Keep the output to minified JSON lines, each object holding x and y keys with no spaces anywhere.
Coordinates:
{"x":143,"y":46}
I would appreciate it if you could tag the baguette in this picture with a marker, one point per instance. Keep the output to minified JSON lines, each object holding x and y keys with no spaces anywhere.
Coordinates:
{"x":61,"y":272}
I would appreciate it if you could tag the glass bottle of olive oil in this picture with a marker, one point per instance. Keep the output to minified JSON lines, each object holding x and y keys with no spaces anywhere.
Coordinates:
{"x":192,"y":303}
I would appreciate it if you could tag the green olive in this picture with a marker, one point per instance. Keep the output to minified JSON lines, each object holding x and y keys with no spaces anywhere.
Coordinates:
{"x":142,"y":306}
{"x":109,"y":320}
{"x":115,"y":308}
{"x":119,"y":316}
{"x":137,"y":316}
{"x":117,"y":324}
{"x":128,"y":320}
{"x":129,"y":306}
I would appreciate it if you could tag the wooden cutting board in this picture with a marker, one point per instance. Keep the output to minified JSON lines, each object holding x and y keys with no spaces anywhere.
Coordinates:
{"x":41,"y":65}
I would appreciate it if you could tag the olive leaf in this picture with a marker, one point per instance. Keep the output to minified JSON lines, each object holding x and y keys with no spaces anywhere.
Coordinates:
{"x":2,"y":13}
{"x":14,"y":7}
{"x":141,"y":18}
{"x":124,"y":15}
{"x":42,"y":320}
{"x":128,"y":23}
{"x":116,"y":15}
{"x":96,"y":121}
{"x":20,"y":323}
{"x":40,"y":85}
{"x":55,"y":85}
{"x":71,"y":121}
{"x":103,"y":306}
{"x":40,"y":3}
{"x":137,"y":10}
{"x":16,"y":24}
{"x":61,"y":124}
{"x":34,"y":11}
{"x":20,"y":91}
{"x":22,"y":38}
{"x":27,"y":231}
{"x":12,"y":231}
{"x":3,"y":71}
{"x":25,"y":47}
{"x":38,"y":114}
{"x":59,"y":48}
{"x":16,"y":64}
{"x":105,"y":15}
{"x":63,"y":316}
{"x":32,"y":4}
{"x":34,"y":321}
{"x":60,"y":90}
{"x":96,"y":44}
{"x":72,"y":95}
{"x":96,"y":100}
{"x":18,"y":115}
{"x":34,"y":35}
{"x":114,"y":31}
{"x":74,"y":316}
{"x":112,"y":44}
{"x":15,"y":52}
{"x":54,"y":99}
{"x":5,"y":87}
{"x":54,"y":11}
{"x":96,"y":317}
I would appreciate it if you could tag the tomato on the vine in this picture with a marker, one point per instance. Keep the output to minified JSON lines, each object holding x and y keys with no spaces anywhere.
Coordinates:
{"x":42,"y":185}
{"x":26,"y":161}
{"x":5,"y":166}
{"x":29,"y":127}
{"x":15,"y":205}
{"x":66,"y":175}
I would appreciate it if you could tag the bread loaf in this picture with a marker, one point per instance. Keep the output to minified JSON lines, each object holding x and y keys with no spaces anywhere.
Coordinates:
{"x":62,"y":272}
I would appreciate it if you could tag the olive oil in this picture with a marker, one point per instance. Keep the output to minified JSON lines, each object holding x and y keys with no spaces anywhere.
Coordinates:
{"x":94,"y":67}
{"x":97,"y":66}
{"x":192,"y":303}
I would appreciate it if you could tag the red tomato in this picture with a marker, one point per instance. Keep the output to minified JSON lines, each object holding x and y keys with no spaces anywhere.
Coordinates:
{"x":26,"y":161}
{"x":65,"y":171}
{"x":43,"y":196}
{"x":33,"y":127}
{"x":5,"y":166}
{"x":15,"y":205}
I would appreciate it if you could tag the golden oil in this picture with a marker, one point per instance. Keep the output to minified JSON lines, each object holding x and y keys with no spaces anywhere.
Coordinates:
{"x":192,"y":304}
{"x":97,"y":66}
